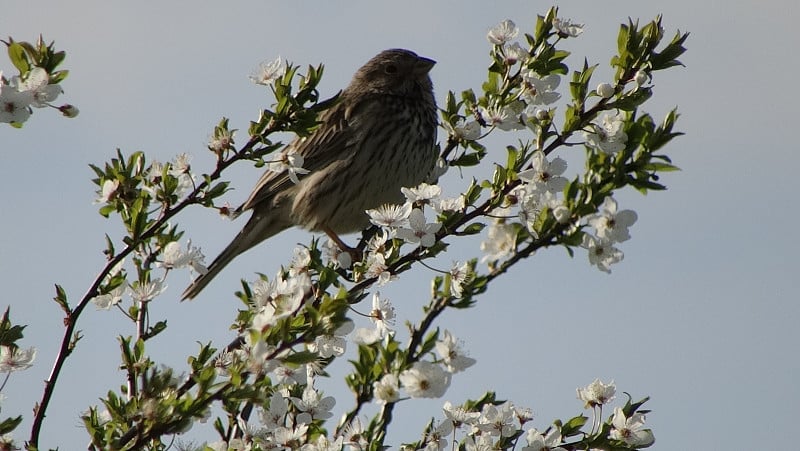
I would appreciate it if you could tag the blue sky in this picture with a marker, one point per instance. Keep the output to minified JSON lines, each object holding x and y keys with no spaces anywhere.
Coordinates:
{"x":701,"y":315}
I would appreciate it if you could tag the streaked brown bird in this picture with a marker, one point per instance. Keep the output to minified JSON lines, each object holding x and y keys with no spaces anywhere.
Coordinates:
{"x":379,"y":137}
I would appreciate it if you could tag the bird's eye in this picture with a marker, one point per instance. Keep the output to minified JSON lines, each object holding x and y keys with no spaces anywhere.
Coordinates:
{"x":390,"y":69}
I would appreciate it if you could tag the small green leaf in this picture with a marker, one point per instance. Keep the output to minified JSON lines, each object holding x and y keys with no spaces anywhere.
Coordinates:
{"x":61,"y":298}
{"x":472,"y":229}
{"x":18,"y":57}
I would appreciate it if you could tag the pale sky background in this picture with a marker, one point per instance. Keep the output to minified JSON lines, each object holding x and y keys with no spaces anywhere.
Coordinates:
{"x":701,"y":315}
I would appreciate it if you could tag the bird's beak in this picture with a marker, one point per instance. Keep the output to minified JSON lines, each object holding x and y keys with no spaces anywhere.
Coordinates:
{"x":423,"y":65}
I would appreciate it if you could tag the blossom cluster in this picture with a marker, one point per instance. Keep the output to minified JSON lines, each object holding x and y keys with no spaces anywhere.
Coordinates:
{"x":497,"y":423}
{"x":18,"y":96}
{"x":115,"y":285}
{"x":408,"y":223}
{"x":542,"y":180}
{"x":297,"y":322}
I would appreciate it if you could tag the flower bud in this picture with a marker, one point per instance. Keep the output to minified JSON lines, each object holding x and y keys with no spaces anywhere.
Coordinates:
{"x":605,"y":90}
{"x":68,"y":110}
{"x":640,"y":78}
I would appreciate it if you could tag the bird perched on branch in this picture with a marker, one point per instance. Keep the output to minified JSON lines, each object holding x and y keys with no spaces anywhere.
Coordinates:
{"x":379,"y":137}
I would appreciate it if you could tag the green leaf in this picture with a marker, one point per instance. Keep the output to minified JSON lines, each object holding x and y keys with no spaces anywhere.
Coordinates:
{"x":492,"y":85}
{"x":9,"y":424}
{"x":61,"y":298}
{"x":18,"y":57}
{"x":301,"y":358}
{"x":9,"y":334}
{"x":573,"y":426}
{"x":466,"y":160}
{"x":668,"y":57}
{"x":660,"y":167}
{"x":58,"y":76}
{"x":154,"y":330}
{"x":472,"y":229}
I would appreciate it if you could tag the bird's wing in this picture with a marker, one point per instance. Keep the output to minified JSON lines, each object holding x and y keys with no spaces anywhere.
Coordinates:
{"x":330,"y":142}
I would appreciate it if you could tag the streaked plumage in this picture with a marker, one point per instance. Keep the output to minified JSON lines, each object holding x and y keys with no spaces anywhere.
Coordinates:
{"x":378,"y":138}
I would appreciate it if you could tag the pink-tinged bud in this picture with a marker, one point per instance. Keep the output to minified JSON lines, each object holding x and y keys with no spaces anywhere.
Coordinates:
{"x":68,"y":110}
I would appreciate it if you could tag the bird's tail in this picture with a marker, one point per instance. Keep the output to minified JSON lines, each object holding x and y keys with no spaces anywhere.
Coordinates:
{"x":257,"y":229}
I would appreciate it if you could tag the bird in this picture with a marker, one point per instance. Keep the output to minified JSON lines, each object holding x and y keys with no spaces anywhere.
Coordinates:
{"x":379,"y":137}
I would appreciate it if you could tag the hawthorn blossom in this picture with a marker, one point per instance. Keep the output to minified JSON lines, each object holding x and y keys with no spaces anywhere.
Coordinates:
{"x":222,"y":140}
{"x":275,"y":415}
{"x":481,"y":442}
{"x":565,"y":28}
{"x":601,"y":252}
{"x":523,"y":414}
{"x":38,"y":85}
{"x":335,"y":255}
{"x":278,"y":299}
{"x":597,"y":393}
{"x":450,"y":204}
{"x":500,"y":242}
{"x":110,"y":299}
{"x":459,"y":415}
{"x":313,"y":405}
{"x":16,"y":359}
{"x":514,"y":52}
{"x":425,"y":380}
{"x":453,"y":356}
{"x":260,"y":355}
{"x":332,"y":345}
{"x":14,"y":105}
{"x":436,"y":439}
{"x":181,"y":165}
{"x":503,"y":32}
{"x":540,"y":90}
{"x":292,"y":163}
{"x":630,"y":429}
{"x":268,"y":72}
{"x":611,"y":224}
{"x":460,"y":273}
{"x":291,"y":375}
{"x":390,"y":216}
{"x":107,"y":192}
{"x":175,"y":257}
{"x":543,"y":442}
{"x":387,"y":389}
{"x":608,"y":136}
{"x":382,"y":313}
{"x":422,"y":193}
{"x":544,"y":175}
{"x":353,"y":434}
{"x":462,"y":130}
{"x":301,"y":259}
{"x":323,"y":444}
{"x":497,"y":420}
{"x":419,"y":231}
{"x":146,"y":291}
{"x":505,"y":118}
{"x":383,"y":317}
{"x":376,"y":267}
{"x":290,"y":438}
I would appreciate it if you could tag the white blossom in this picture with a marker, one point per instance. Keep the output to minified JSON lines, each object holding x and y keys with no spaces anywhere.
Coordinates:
{"x":268,"y":72}
{"x":597,"y":393}
{"x":565,"y":27}
{"x":503,"y":32}
{"x":630,"y":429}
{"x":425,"y":380}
